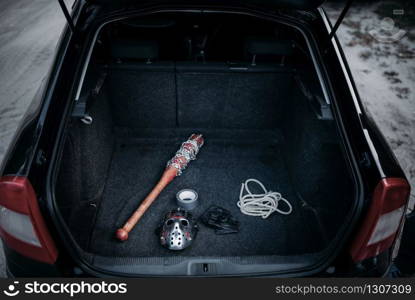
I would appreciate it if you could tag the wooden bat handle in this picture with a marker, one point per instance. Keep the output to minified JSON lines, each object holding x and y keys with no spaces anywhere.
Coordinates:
{"x":168,"y":175}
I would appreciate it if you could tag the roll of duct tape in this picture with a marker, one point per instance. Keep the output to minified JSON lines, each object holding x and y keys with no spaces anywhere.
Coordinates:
{"x":187,"y":199}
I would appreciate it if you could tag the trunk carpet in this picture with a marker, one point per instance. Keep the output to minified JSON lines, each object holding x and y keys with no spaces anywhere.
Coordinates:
{"x":227,"y":159}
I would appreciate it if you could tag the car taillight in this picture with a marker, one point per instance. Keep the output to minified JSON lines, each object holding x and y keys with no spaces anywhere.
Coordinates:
{"x":383,"y":219}
{"x":21,"y":224}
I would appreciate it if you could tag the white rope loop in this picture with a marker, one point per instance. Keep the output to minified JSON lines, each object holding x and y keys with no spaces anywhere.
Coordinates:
{"x":263,"y":204}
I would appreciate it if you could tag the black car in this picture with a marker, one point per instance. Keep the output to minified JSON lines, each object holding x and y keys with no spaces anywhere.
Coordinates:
{"x":264,"y":81}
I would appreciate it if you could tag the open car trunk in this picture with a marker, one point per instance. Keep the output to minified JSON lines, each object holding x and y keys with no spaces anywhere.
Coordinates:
{"x":251,"y":88}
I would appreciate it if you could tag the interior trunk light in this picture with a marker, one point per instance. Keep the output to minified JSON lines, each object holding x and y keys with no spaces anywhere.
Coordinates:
{"x":21,"y":224}
{"x":383,"y":219}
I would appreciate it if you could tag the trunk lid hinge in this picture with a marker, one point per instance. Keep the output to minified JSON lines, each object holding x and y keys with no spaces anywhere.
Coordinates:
{"x":67,"y":15}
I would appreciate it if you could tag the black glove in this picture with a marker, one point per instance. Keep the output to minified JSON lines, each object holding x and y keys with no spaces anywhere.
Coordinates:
{"x":220,"y":219}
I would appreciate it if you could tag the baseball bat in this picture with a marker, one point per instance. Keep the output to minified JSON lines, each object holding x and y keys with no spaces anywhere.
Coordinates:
{"x":175,"y":166}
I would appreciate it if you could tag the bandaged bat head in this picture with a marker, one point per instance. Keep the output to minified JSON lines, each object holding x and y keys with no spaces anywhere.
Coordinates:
{"x":178,"y":230}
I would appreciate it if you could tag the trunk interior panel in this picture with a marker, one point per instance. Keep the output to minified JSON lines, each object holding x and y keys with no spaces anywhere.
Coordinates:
{"x":258,"y":121}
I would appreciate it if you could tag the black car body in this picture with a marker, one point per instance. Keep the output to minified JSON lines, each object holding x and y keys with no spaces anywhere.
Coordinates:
{"x":363,"y":244}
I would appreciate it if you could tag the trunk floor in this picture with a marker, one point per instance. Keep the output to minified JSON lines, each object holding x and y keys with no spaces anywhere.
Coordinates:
{"x":227,"y":159}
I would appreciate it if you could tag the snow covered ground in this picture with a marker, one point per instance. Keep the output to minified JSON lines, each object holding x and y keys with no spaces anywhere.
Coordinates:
{"x":385,"y":76}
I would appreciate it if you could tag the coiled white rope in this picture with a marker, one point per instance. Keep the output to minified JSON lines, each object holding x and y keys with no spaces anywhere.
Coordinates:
{"x":263,"y":204}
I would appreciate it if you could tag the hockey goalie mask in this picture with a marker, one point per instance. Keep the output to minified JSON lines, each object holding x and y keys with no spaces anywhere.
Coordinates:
{"x":178,"y":230}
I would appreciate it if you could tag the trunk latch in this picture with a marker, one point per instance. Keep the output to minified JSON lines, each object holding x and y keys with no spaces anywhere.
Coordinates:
{"x":203,"y":269}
